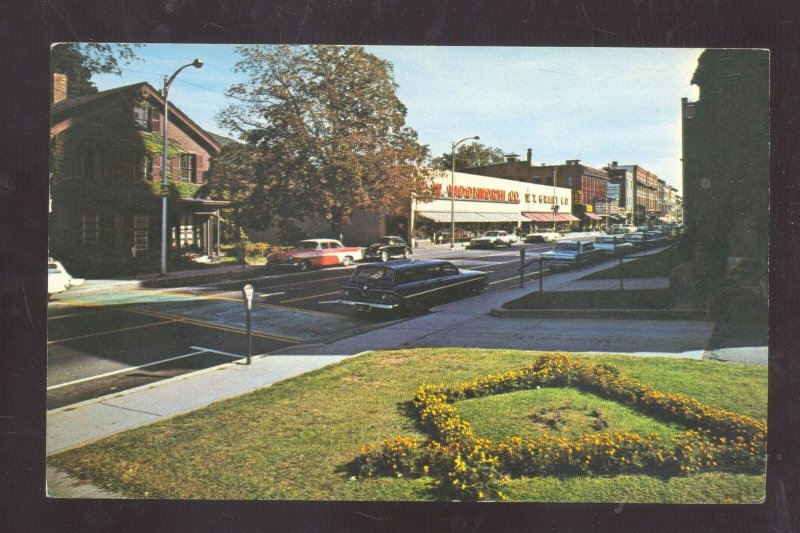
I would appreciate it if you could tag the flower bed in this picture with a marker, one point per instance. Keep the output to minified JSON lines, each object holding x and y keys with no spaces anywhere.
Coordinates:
{"x":470,"y":468}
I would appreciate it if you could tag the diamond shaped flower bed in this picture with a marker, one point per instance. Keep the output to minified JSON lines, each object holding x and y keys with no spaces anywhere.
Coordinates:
{"x":471,"y":468}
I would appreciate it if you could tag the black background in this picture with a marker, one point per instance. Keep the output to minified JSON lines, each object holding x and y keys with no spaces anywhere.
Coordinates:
{"x":27,"y":29}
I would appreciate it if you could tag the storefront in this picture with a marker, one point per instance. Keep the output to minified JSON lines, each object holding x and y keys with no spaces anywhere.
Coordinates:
{"x":479,"y":203}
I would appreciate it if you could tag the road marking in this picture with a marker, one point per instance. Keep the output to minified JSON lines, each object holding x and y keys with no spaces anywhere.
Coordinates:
{"x":310,"y":297}
{"x":127,"y":369}
{"x":73,"y":314}
{"x":211,"y":325}
{"x":216,"y":351}
{"x":110,"y":331}
{"x":272,"y":277}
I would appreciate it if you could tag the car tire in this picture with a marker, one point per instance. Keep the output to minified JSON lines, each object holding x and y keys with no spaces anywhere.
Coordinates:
{"x":384,"y":256}
{"x":304,"y":266}
{"x":347,"y":261}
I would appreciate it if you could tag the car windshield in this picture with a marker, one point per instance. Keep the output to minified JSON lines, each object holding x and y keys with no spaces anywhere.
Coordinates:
{"x":388,"y":240}
{"x":372,"y":274}
{"x":307,"y":245}
{"x":491,"y":234}
{"x":605,"y":240}
{"x":567,"y":247}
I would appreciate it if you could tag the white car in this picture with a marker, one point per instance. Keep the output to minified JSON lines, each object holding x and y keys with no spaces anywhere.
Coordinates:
{"x":542,"y":236}
{"x":58,"y":279}
{"x":494,"y":238}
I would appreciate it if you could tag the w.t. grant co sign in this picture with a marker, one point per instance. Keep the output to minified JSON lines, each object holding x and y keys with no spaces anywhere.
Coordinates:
{"x":485,"y":194}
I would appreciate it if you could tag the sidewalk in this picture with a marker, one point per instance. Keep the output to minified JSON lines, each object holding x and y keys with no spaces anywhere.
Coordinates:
{"x":462,"y":323}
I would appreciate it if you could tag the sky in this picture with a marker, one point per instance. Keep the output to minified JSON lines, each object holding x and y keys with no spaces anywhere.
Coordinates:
{"x":594,"y":104}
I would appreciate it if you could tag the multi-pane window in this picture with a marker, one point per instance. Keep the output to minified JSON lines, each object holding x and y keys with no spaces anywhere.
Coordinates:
{"x":90,"y":228}
{"x":186,"y":231}
{"x":141,"y":115}
{"x":187,"y":166}
{"x":145,"y":167}
{"x":141,"y":235}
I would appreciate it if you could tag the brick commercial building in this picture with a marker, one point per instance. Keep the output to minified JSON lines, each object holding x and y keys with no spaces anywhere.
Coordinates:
{"x":105,"y":180}
{"x":588,"y":184}
{"x":726,"y":165}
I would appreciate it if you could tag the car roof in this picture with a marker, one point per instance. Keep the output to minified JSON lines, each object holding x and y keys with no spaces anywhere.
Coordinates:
{"x":403,"y":264}
{"x":319,"y":240}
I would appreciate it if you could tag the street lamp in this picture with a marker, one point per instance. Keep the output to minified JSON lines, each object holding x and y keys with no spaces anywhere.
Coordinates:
{"x":197,"y":63}
{"x":453,"y":188}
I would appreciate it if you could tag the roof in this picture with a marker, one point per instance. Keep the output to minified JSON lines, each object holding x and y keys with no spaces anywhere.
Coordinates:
{"x":405,"y":264}
{"x":63,"y":114}
{"x":320,"y":240}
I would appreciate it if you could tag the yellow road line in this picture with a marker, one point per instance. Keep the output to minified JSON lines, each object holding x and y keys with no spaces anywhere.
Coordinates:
{"x":110,"y":331}
{"x":257,"y":304}
{"x":232,"y":329}
{"x":310,"y":297}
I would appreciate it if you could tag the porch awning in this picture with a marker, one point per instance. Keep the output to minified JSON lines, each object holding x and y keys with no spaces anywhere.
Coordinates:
{"x":548,"y":217}
{"x":592,"y":216}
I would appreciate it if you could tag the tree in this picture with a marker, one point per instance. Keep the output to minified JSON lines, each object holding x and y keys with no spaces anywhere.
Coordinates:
{"x":79,"y":61}
{"x":469,"y":155}
{"x":328,"y":131}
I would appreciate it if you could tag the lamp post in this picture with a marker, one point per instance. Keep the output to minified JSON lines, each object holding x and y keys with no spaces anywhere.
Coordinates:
{"x":197,"y":63}
{"x":453,"y":188}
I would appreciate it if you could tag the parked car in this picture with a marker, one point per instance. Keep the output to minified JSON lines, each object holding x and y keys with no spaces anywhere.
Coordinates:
{"x":494,"y":238}
{"x":313,"y":253}
{"x":386,"y":248}
{"x":408,"y":285}
{"x":613,"y":244}
{"x":58,"y":279}
{"x":642,"y":240}
{"x":542,"y":236}
{"x":572,"y":253}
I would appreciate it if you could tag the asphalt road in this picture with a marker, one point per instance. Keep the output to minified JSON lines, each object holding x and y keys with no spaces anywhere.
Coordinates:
{"x":103,"y":342}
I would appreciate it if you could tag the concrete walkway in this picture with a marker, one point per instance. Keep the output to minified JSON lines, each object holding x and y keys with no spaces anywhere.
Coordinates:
{"x":462,"y":323}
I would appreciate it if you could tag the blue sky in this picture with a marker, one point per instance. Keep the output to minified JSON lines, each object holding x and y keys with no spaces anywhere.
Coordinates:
{"x":592,"y":104}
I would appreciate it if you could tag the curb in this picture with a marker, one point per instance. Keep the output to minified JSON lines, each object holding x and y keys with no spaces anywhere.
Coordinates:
{"x":641,"y":314}
{"x":154,"y":384}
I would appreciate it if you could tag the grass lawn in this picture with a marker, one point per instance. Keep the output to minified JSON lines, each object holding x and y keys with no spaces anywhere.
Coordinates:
{"x":292,"y":440}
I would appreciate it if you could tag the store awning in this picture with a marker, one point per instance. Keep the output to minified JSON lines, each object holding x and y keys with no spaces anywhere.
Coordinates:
{"x":618,"y":218}
{"x":439,"y":216}
{"x":548,"y":217}
{"x":592,"y":216}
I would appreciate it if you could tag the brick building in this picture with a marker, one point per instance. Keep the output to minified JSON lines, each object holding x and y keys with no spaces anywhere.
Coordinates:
{"x":105,"y":180}
{"x":588,"y":184}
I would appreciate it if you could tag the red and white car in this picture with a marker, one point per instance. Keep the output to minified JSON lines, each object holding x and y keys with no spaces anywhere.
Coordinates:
{"x":316,"y":253}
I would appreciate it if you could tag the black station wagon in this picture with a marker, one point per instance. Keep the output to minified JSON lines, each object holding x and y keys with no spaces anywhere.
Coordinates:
{"x":408,"y":285}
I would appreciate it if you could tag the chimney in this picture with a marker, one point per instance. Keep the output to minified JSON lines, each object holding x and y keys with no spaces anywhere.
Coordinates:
{"x":615,"y":164}
{"x":530,"y":155}
{"x":59,"y":88}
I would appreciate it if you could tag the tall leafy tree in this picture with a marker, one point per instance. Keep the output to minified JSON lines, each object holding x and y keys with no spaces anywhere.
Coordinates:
{"x":79,"y":61}
{"x":469,"y":155}
{"x":328,"y":131}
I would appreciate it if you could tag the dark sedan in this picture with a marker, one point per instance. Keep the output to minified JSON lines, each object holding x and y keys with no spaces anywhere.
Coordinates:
{"x":408,"y":285}
{"x":387,"y":248}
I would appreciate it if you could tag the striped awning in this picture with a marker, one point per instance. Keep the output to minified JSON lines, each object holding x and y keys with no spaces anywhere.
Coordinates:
{"x":548,"y":217}
{"x":592,"y":216}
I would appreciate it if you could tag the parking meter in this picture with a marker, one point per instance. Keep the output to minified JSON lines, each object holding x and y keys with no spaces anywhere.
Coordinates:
{"x":247,"y":292}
